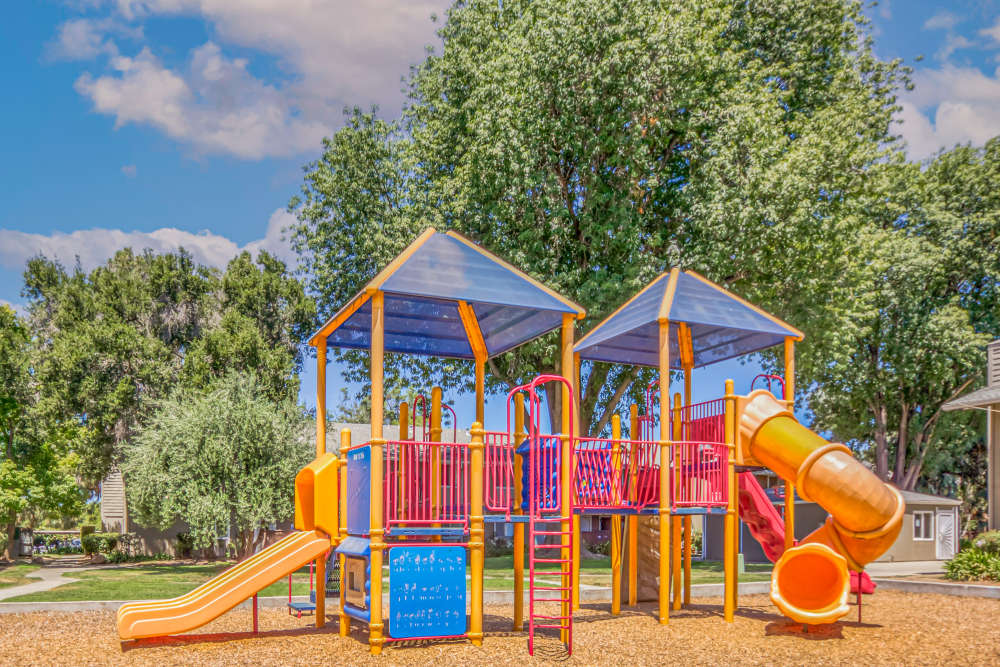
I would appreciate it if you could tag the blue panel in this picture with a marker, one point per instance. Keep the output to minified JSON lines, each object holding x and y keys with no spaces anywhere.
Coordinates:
{"x":355,"y":546}
{"x":697,"y":302}
{"x":359,"y":491}
{"x":722,"y":326}
{"x":446,"y":268}
{"x":427,"y":591}
{"x":643,"y":309}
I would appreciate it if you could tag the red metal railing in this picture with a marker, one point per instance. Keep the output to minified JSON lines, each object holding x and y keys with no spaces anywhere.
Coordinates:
{"x":499,"y":474}
{"x":698,"y":475}
{"x":600,"y":481}
{"x":704,"y":421}
{"x":412,"y":495}
{"x":425,"y":422}
{"x":641,"y":461}
{"x":771,"y":380}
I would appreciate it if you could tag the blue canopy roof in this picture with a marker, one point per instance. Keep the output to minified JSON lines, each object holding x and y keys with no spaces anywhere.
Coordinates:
{"x":720,"y":324}
{"x":443,"y":295}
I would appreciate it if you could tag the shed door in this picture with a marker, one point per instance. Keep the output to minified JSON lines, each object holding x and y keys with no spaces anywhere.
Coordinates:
{"x":944,"y":547}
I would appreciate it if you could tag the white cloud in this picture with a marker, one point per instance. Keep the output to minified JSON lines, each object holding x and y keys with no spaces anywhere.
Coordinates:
{"x":334,"y":54}
{"x":943,"y":20}
{"x":130,"y":170}
{"x":953,"y":43}
{"x":215,"y":105}
{"x":950,"y":105}
{"x":992,"y":32}
{"x":94,"y":246}
{"x":86,"y":38}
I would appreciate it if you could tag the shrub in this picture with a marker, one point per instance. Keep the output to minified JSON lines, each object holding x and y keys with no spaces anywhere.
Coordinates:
{"x":184,"y":545}
{"x":603,"y":548}
{"x":498,"y":546}
{"x":988,"y":542}
{"x":91,"y":544}
{"x":973,"y":564}
{"x":87,"y":530}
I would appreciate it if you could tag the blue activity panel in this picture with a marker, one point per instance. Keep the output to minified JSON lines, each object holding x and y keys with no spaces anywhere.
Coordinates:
{"x":427,"y":591}
{"x":359,"y":477}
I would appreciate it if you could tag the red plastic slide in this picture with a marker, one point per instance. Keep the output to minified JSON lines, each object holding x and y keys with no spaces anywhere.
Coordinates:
{"x":761,"y":517}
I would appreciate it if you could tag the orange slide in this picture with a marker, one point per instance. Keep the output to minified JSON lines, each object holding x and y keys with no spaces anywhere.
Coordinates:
{"x":810,"y":582}
{"x":316,"y":513}
{"x":220,"y":594}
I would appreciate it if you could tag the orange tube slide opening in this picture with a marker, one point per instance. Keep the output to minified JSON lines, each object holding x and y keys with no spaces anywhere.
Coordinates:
{"x":810,"y":584}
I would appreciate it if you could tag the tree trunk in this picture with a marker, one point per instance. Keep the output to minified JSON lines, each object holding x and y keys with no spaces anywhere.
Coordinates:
{"x":12,"y":548}
{"x":881,"y":444}
{"x":902,"y":442}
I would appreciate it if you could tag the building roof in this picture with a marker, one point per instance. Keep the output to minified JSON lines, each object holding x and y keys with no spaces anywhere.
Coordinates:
{"x":721,"y":324}
{"x":914,"y":498}
{"x":977,"y":399}
{"x":445,"y":296}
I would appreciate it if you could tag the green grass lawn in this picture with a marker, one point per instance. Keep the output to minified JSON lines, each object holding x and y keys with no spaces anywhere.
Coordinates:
{"x":150,"y":582}
{"x":14,"y":575}
{"x":153,"y":581}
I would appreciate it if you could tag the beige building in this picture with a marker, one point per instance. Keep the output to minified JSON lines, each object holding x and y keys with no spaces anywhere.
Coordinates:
{"x":930,"y":531}
{"x":988,"y":399}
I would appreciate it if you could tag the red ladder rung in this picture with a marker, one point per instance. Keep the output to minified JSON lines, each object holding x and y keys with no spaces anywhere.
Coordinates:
{"x":551,"y":560}
{"x":552,"y":618}
{"x":555,"y":627}
{"x":551,"y":588}
{"x":551,"y":574}
{"x":553,"y":532}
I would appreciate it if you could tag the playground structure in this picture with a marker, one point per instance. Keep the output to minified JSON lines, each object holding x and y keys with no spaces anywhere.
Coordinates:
{"x":421,"y":504}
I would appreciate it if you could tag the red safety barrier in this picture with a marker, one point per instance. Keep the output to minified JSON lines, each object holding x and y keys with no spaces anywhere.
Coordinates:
{"x":499,"y":474}
{"x":641,"y":460}
{"x":698,"y":474}
{"x":704,"y":422}
{"x":410,"y":495}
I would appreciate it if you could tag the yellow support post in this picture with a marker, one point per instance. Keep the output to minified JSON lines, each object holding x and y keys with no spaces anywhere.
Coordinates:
{"x":519,"y":436}
{"x":675,"y":521}
{"x":435,"y":451}
{"x":321,"y":398}
{"x":616,"y":520}
{"x":731,"y":543}
{"x":688,"y":536}
{"x":566,"y":472}
{"x":481,"y":391}
{"x":790,"y":401}
{"x":633,"y":519}
{"x":320,"y":451}
{"x":664,"y":509}
{"x":345,"y":444}
{"x":377,"y":544}
{"x":477,"y":534}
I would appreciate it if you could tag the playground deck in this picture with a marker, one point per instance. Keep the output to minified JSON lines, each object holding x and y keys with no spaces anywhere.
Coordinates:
{"x":908,"y":628}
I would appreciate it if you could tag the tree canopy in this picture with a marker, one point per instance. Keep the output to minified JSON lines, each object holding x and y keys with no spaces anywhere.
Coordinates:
{"x":115,"y":340}
{"x":220,"y":459}
{"x":595,"y":144}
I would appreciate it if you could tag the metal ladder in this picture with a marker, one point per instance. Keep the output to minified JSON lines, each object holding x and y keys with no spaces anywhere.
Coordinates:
{"x":546,"y":561}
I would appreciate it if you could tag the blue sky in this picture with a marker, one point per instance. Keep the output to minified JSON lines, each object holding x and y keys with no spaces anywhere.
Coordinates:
{"x":157,"y":123}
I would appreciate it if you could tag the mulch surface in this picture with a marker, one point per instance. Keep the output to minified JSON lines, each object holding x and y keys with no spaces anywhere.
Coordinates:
{"x":899,"y":629}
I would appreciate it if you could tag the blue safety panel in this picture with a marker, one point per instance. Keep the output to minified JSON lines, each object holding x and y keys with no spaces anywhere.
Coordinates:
{"x":427,"y":591}
{"x":722,"y":326}
{"x":421,"y":304}
{"x":501,"y":518}
{"x":359,"y":491}
{"x":355,"y":546}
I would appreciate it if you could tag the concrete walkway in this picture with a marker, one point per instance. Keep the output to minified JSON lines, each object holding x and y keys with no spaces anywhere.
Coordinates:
{"x":903,"y":568}
{"x":50,"y":577}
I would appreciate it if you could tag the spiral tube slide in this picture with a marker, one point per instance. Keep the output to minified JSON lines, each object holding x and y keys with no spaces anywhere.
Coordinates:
{"x":810,"y":582}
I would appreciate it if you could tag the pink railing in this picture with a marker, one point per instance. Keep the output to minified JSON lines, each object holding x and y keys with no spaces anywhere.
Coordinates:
{"x":412,"y":495}
{"x":704,"y":421}
{"x":599,"y":481}
{"x":641,"y":462}
{"x":498,"y":477}
{"x":698,"y":475}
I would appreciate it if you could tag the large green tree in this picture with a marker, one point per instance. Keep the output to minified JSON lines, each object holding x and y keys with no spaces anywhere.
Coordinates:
{"x":596,"y":143}
{"x":922,"y":306}
{"x":116,"y":339}
{"x":218,"y":459}
{"x":36,"y":465}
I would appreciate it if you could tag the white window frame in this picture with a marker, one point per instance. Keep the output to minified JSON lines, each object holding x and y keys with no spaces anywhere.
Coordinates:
{"x":928,"y":522}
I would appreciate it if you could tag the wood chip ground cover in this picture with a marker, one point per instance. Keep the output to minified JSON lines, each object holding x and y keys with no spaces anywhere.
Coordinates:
{"x":898,"y":628}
